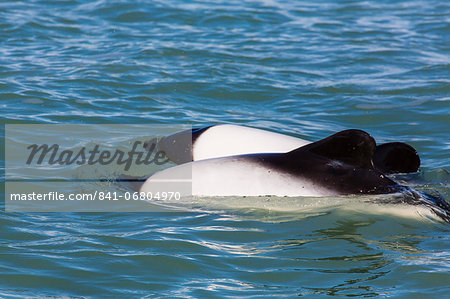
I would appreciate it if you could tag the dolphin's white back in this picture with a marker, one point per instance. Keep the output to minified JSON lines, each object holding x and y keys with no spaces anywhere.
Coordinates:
{"x":231,"y":140}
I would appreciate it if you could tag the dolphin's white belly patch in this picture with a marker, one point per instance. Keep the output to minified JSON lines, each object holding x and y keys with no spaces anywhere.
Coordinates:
{"x":232,"y":176}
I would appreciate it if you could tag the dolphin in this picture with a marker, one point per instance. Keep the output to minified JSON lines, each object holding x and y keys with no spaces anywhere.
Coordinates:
{"x":344,"y":164}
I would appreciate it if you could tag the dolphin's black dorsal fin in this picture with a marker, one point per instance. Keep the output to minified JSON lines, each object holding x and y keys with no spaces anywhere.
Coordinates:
{"x":353,"y":147}
{"x":396,"y":157}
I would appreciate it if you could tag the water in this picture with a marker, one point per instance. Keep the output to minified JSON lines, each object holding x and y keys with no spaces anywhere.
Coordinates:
{"x":294,"y":67}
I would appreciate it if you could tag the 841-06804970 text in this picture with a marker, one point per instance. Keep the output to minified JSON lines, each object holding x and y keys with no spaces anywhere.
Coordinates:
{"x":97,"y":195}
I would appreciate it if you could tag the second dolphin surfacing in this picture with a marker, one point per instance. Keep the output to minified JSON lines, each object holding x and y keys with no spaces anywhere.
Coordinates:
{"x":232,"y":140}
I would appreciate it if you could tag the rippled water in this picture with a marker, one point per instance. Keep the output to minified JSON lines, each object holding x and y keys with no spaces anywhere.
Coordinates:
{"x":296,"y":67}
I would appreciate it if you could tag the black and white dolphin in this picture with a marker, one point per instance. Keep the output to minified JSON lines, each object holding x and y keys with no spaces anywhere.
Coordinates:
{"x":346,"y":163}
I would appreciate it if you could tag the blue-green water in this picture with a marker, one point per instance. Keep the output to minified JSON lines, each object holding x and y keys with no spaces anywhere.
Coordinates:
{"x":296,"y":67}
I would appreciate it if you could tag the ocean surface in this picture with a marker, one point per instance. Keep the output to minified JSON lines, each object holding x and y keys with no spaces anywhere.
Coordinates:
{"x":295,"y":67}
